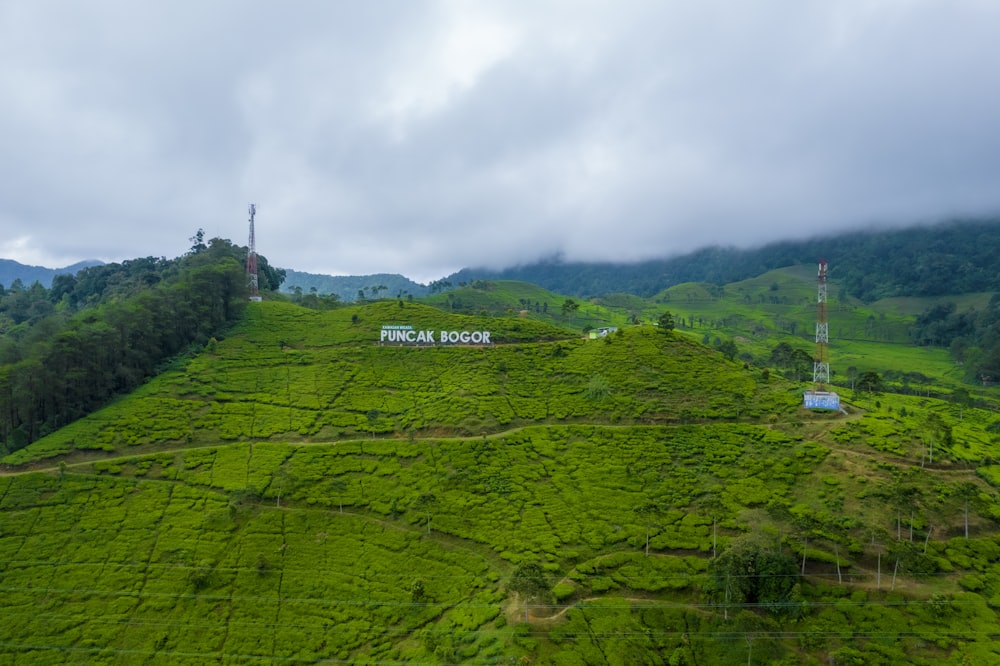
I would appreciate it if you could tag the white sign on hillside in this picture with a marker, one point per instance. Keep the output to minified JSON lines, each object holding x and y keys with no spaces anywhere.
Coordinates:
{"x":406,"y":334}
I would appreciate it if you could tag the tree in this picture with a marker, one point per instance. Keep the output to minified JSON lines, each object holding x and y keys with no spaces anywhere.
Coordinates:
{"x":569,"y":307}
{"x":666,"y":322}
{"x":418,"y":591}
{"x":281,"y":479}
{"x":751,"y":573}
{"x":967,"y":491}
{"x":781,"y":355}
{"x":648,"y":512}
{"x":372,"y":418}
{"x":62,"y":286}
{"x":962,"y":398}
{"x":729,"y":350}
{"x":424,"y":503}
{"x":712,"y":504}
{"x":870,"y":382}
{"x":529,"y":581}
{"x":937,"y":430}
{"x":801,"y":363}
{"x":270,"y":278}
{"x":198,"y":242}
{"x":438,"y":286}
{"x":338,"y":487}
{"x":852,"y":375}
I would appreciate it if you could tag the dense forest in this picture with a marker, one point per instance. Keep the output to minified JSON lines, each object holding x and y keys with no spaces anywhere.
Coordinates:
{"x":950,"y":258}
{"x":68,"y":349}
{"x":971,"y":336}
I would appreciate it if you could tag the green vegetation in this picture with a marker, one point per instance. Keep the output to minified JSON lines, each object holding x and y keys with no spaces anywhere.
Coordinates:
{"x":66,"y":351}
{"x":297,"y":491}
{"x":295,"y":373}
{"x":288,"y":488}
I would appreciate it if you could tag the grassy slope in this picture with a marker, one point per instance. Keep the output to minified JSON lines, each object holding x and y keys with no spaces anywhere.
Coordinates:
{"x":296,"y":373}
{"x":780,"y":306}
{"x":270,"y":499}
{"x":758,"y":313}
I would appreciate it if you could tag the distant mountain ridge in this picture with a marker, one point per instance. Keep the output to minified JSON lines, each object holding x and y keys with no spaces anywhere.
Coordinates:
{"x":11,"y":270}
{"x":959,"y":256}
{"x":346,"y":287}
{"x":952,"y":257}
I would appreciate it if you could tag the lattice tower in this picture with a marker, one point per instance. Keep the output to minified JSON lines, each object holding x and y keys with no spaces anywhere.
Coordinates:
{"x":821,"y":364}
{"x":252,"y":259}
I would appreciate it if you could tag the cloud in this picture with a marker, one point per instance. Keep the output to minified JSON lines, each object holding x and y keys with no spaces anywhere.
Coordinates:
{"x":423,"y":137}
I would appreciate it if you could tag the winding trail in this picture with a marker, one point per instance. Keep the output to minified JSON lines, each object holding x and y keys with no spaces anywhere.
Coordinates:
{"x":82,"y":457}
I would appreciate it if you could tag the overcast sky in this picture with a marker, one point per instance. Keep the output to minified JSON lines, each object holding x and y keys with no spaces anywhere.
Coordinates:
{"x":422,"y":137}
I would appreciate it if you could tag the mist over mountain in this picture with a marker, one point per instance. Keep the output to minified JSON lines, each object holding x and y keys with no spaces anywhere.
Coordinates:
{"x":953,"y":257}
{"x":958,"y":256}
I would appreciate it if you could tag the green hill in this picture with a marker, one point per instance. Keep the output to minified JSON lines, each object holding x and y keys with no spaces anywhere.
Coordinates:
{"x":301,"y":492}
{"x":953,"y":257}
{"x":290,"y":372}
{"x":347,"y":287}
{"x":757,"y":314}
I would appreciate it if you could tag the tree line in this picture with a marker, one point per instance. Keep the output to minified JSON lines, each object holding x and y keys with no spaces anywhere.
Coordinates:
{"x":65,"y":351}
{"x":972,"y":337}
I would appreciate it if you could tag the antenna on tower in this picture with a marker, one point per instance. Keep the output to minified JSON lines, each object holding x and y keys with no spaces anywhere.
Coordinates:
{"x":819,"y":397}
{"x":252,"y":260}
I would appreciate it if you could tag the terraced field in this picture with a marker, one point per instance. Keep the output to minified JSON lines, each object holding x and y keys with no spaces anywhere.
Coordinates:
{"x":298,"y":493}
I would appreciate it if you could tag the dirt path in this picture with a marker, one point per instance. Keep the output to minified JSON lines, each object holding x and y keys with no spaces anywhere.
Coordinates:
{"x":80,"y":458}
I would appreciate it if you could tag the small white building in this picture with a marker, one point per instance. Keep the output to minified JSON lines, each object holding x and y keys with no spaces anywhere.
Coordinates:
{"x":602,"y":332}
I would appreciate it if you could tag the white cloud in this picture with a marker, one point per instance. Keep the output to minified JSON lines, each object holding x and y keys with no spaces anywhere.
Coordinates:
{"x":423,"y":137}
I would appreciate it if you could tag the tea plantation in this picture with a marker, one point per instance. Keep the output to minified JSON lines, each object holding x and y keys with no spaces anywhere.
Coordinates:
{"x":299,"y":493}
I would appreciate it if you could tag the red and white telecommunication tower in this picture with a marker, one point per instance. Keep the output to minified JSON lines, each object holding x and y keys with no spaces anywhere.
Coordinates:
{"x":819,"y":397}
{"x":821,"y":364}
{"x":252,"y":260}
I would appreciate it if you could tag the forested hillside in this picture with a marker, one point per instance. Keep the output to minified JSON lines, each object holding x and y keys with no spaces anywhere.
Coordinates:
{"x":66,"y":350}
{"x":951,"y":258}
{"x":972,"y":336}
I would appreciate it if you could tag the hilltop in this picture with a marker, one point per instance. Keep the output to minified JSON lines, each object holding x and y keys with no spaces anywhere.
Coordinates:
{"x":297,"y":491}
{"x":326,"y":376}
